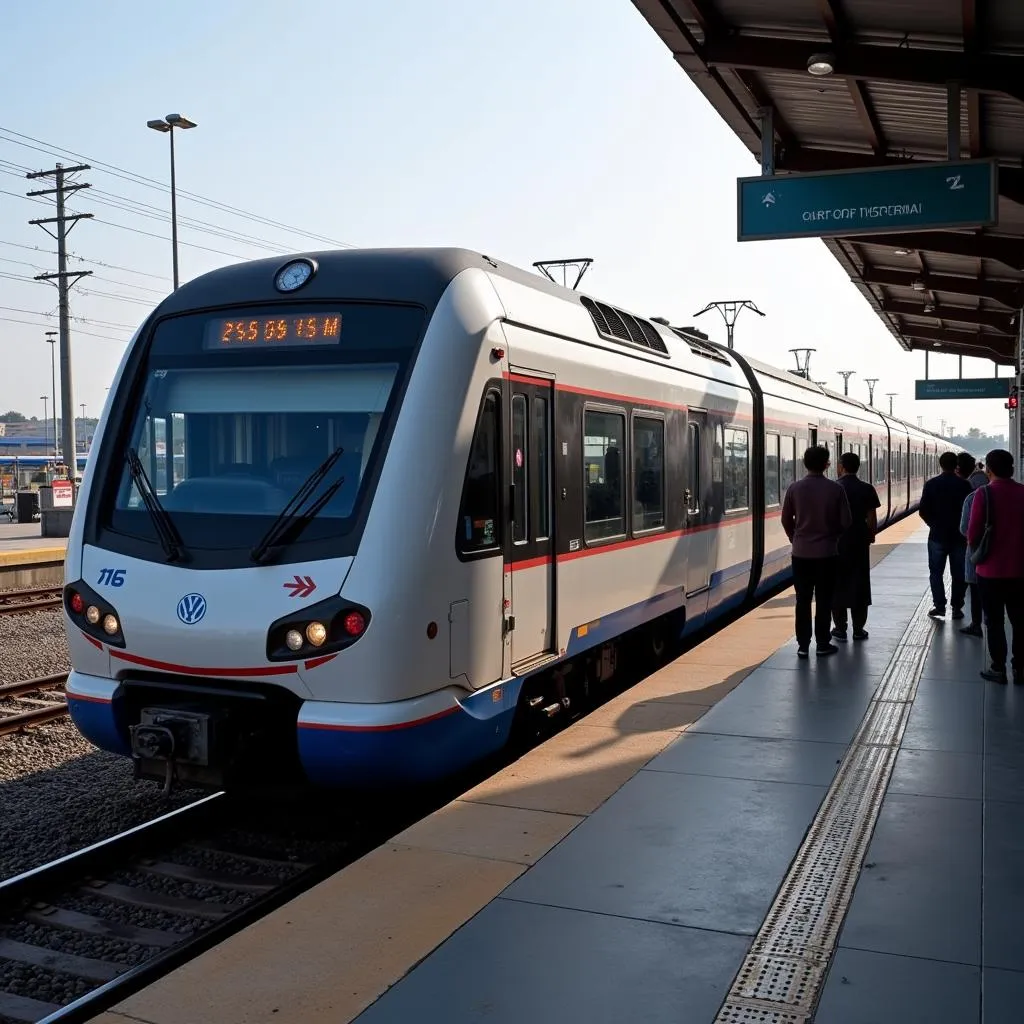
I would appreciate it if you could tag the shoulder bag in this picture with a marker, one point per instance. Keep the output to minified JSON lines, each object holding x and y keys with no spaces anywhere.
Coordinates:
{"x":979,"y":553}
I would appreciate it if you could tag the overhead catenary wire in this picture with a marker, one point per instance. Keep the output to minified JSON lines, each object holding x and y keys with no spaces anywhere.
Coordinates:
{"x":100,"y":166}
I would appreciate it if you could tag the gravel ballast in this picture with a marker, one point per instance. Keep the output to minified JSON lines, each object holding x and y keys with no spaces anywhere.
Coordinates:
{"x":58,"y":792}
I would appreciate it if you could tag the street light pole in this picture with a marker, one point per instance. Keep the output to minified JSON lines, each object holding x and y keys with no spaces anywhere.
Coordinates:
{"x":167,"y":125}
{"x":46,"y":424}
{"x":51,"y":337}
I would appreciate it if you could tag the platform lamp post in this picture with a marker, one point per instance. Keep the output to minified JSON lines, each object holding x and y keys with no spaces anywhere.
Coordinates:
{"x":51,"y":337}
{"x":846,"y":375}
{"x":891,"y":395}
{"x":168,"y":124}
{"x":871,"y":382}
{"x":46,"y":422}
{"x":730,"y":310}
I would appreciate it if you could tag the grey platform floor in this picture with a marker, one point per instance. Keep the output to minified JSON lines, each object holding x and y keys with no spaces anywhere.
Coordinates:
{"x":645,"y":911}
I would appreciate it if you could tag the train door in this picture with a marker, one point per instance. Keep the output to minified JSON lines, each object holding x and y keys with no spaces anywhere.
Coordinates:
{"x":531,"y":580}
{"x":698,"y":505}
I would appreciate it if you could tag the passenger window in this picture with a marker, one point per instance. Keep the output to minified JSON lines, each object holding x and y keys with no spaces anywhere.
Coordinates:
{"x":520,"y":530}
{"x":771,"y":469}
{"x":693,"y":470}
{"x":481,"y":495}
{"x":787,"y":462}
{"x":648,"y":474}
{"x":736,"y":466}
{"x":540,"y":460}
{"x":604,"y":435}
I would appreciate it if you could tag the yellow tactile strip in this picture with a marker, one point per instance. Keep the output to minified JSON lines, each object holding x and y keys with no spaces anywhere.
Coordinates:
{"x":330,"y":953}
{"x":28,"y":558}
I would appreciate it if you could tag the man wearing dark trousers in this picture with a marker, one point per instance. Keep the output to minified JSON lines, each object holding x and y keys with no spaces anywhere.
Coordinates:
{"x":815,"y":514}
{"x":853,"y":587}
{"x":942,"y":500}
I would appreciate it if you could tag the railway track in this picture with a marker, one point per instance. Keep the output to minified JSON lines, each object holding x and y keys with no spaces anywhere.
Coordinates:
{"x":84,"y":932}
{"x":32,"y":702}
{"x":15,"y":602}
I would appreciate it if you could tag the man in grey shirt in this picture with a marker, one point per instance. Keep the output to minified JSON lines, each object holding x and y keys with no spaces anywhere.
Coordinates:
{"x":815,"y":514}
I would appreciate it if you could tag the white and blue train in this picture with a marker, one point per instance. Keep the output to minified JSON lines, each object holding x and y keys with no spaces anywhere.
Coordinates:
{"x":348,"y":515}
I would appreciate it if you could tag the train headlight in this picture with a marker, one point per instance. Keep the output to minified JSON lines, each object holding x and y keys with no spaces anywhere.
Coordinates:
{"x":93,"y":614}
{"x":324,"y":628}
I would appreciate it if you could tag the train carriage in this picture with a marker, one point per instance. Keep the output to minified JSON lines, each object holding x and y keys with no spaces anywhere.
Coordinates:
{"x":351,"y":515}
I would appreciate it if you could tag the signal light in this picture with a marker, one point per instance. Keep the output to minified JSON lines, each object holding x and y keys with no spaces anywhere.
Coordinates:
{"x":1012,"y":403}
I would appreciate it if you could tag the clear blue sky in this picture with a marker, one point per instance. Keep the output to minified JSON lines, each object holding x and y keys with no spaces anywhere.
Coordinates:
{"x":528,"y":129}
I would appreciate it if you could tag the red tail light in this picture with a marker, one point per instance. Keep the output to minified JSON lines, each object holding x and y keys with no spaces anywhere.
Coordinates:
{"x":354,"y":623}
{"x":77,"y":604}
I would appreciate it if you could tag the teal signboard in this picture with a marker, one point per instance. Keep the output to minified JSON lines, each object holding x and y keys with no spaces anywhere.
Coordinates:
{"x":976,"y":387}
{"x":914,"y":197}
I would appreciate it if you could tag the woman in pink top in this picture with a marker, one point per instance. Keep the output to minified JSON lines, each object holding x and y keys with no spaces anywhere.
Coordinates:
{"x":1001,"y":574}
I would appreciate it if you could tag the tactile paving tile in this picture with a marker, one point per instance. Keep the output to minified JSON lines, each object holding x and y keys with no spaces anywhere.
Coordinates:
{"x":782,"y":974}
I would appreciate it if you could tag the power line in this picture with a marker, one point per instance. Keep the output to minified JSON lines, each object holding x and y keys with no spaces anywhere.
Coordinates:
{"x":31,"y":323}
{"x":139,"y":179}
{"x":163,"y":238}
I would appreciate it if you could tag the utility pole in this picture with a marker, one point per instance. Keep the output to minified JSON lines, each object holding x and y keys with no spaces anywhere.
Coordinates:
{"x":730,"y":310}
{"x":871,"y":382}
{"x":64,"y":278}
{"x":846,"y":375}
{"x":891,"y":395}
{"x":51,"y":340}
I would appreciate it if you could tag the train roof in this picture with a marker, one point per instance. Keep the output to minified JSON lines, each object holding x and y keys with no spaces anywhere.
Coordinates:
{"x":421,"y":275}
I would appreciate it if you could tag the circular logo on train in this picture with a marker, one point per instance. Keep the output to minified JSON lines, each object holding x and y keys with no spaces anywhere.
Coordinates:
{"x":191,"y":608}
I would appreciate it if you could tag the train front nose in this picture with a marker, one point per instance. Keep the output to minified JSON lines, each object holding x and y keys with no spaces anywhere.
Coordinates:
{"x":206,"y":669}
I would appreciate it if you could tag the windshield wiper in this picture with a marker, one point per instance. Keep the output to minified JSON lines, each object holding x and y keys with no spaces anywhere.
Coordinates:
{"x":167,"y":534}
{"x":291,"y":521}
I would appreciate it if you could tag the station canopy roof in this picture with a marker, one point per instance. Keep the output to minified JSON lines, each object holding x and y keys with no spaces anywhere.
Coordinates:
{"x":884,"y":103}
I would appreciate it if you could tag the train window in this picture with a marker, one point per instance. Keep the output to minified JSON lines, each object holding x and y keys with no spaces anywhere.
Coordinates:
{"x":771,"y":469}
{"x":693,"y":471}
{"x":604,"y":435}
{"x":540,"y":450}
{"x":787,"y":463}
{"x":481,"y":494}
{"x":520,"y":497}
{"x":736,"y":470}
{"x":648,"y":474}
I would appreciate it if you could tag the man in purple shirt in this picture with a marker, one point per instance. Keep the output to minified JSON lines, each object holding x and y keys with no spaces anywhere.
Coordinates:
{"x":815,"y":514}
{"x":1001,"y":572}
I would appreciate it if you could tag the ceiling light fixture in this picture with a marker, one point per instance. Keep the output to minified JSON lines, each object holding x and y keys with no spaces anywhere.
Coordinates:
{"x":821,"y":64}
{"x":903,"y":252}
{"x":918,"y":285}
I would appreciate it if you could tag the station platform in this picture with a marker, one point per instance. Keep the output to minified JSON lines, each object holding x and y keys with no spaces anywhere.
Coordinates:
{"x":743,"y":836}
{"x":27,"y":558}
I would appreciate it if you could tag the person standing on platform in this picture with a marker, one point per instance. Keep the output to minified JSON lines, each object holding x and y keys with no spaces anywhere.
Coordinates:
{"x":1000,"y":570}
{"x":942,"y":500}
{"x":977,"y":477}
{"x":815,"y":513}
{"x":966,"y":468}
{"x":853,"y":587}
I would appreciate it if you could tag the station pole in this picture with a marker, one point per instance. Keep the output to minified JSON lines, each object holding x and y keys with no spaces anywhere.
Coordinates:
{"x":64,"y":223}
{"x":871,"y":382}
{"x":730,"y":310}
{"x":846,"y":375}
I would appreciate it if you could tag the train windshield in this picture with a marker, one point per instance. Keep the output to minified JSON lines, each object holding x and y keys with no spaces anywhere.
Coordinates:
{"x":226,"y":438}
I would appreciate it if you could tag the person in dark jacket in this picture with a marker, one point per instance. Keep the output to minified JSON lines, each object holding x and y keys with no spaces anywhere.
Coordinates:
{"x":941,"y":503}
{"x":966,"y":468}
{"x":815,"y":513}
{"x":853,"y":586}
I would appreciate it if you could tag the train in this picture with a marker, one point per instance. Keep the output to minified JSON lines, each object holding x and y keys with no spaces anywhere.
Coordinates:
{"x":351,"y":518}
